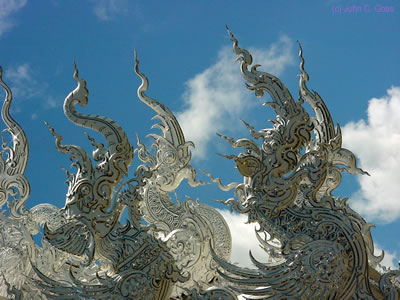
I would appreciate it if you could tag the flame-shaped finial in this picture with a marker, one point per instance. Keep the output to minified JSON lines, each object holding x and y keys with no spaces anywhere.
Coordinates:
{"x":303,"y":72}
{"x":170,"y":127}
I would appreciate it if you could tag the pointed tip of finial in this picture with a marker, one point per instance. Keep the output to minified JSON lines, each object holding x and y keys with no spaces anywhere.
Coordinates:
{"x":48,"y":126}
{"x":136,"y":67}
{"x":303,"y":71}
{"x":75,"y":70}
{"x":232,"y":37}
{"x":135,"y":56}
{"x":299,"y":44}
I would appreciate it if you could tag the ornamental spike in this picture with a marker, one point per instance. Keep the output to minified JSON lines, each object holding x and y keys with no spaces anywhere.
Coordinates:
{"x":173,"y":249}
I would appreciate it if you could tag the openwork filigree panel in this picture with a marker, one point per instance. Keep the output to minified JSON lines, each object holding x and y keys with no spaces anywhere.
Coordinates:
{"x":316,"y":246}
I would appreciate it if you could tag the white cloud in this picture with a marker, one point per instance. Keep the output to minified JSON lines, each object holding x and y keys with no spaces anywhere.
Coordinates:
{"x":215,"y":98}
{"x":51,"y":102}
{"x":7,"y":8}
{"x":376,"y":142}
{"x":22,"y":72}
{"x":23,"y":84}
{"x":106,"y":10}
{"x":243,"y":240}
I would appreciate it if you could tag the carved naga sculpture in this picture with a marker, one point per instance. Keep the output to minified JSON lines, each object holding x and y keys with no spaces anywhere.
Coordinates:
{"x":134,"y":256}
{"x":188,"y":228}
{"x":317,"y":246}
{"x":90,"y":190}
{"x":320,"y":247}
{"x":100,"y":258}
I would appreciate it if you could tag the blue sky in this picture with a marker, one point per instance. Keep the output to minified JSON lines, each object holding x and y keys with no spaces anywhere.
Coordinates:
{"x":351,"y":50}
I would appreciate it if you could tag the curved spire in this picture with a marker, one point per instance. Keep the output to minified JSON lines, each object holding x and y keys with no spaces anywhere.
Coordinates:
{"x":323,"y":124}
{"x":116,"y":138}
{"x":13,"y":168}
{"x":170,"y":127}
{"x":259,"y":82}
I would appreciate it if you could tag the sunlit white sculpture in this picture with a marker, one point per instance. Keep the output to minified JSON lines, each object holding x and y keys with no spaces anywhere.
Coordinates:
{"x":316,"y":246}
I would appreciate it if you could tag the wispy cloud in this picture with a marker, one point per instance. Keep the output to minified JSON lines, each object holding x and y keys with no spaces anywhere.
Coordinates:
{"x":7,"y":9}
{"x":106,"y":10}
{"x":22,"y":82}
{"x":52,"y":102}
{"x":216,"y":97}
{"x":24,"y":86}
{"x":243,"y":240}
{"x":376,"y":142}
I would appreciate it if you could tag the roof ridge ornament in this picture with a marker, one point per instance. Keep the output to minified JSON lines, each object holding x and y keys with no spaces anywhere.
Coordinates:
{"x":288,"y":194}
{"x":184,"y":249}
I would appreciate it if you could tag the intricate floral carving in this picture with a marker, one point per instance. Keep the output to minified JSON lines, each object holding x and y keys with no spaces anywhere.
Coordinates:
{"x":183,"y":252}
{"x":189,"y":228}
{"x":89,"y":253}
{"x":287,"y":190}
